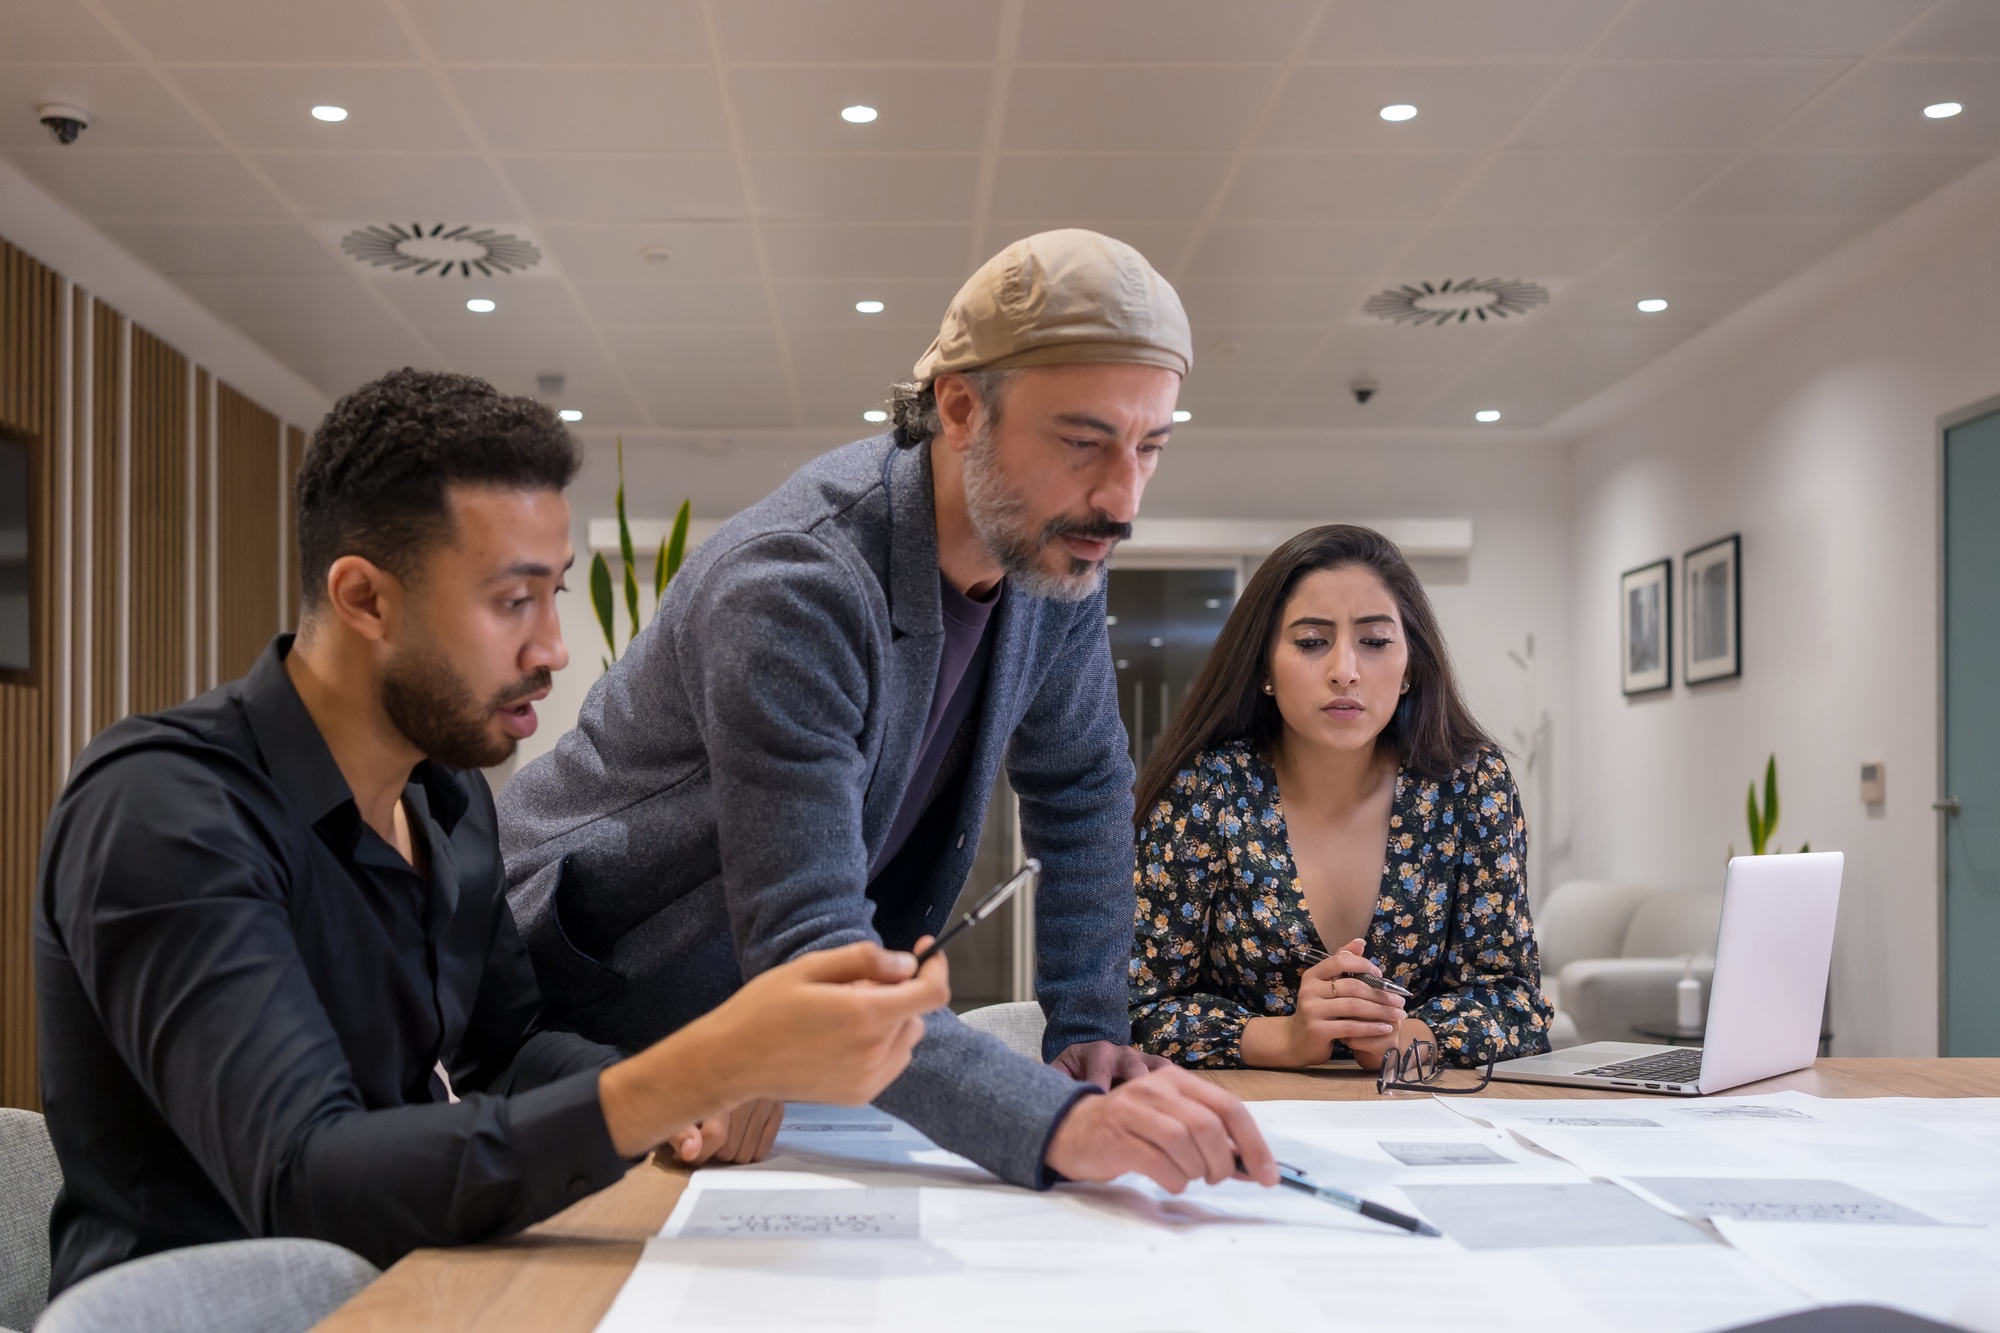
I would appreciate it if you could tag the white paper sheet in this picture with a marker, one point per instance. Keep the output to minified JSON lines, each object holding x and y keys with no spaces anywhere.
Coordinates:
{"x":1925,"y":1270}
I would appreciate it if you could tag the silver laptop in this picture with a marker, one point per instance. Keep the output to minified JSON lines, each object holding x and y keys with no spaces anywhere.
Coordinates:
{"x":1771,"y":959}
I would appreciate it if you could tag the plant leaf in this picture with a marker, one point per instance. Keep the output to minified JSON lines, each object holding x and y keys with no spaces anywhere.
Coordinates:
{"x":1756,"y":823}
{"x":677,"y":540}
{"x":1771,"y":796}
{"x":625,"y":545}
{"x":660,"y":576}
{"x":1804,"y":847}
{"x":600,"y":601}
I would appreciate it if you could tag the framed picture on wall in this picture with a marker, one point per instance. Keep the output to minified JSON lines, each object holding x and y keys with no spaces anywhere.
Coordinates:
{"x":1714,"y":610}
{"x":1646,"y":626}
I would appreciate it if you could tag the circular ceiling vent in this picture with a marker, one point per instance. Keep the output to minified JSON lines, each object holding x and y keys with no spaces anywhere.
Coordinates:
{"x":441,"y":250}
{"x":1456,"y":301}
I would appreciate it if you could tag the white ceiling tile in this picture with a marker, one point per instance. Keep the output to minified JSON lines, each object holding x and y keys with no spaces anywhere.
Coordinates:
{"x":298,"y":30}
{"x":534,"y":32}
{"x":1296,"y":252}
{"x":1459,"y":107}
{"x":626,"y":188}
{"x":1737,"y":29}
{"x":407,"y":187}
{"x":1514,"y":249}
{"x":905,"y":187}
{"x":322,"y":341}
{"x":609,"y":253}
{"x":268,"y":299}
{"x":1150,"y":108}
{"x":826,"y":309}
{"x":1613,"y":297}
{"x":1611,"y":349}
{"x":1962,"y":28}
{"x":605,"y":109}
{"x":861,"y":363}
{"x":34,"y":33}
{"x":439,"y":303}
{"x":749,"y":349}
{"x":1348,"y":187}
{"x":1245,"y":362}
{"x":177,"y":248}
{"x":1387,"y":30}
{"x":128,"y":108}
{"x":1300,"y":301}
{"x":1882,"y":106}
{"x":148,"y":185}
{"x":1179,"y":31}
{"x":1674,"y":104}
{"x":1738,"y":247}
{"x":841,"y":250}
{"x":271,"y":109}
{"x":1406,"y":363}
{"x":790,"y":110}
{"x":637,"y":301}
{"x":1584,"y":184}
{"x":1523,"y":405}
{"x":1819,"y":183}
{"x":345,"y":374}
{"x":1163,"y":186}
{"x":827,"y":32}
{"x":489,"y":349}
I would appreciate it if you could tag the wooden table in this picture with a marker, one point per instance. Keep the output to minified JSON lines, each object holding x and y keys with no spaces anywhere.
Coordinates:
{"x":562,"y":1275}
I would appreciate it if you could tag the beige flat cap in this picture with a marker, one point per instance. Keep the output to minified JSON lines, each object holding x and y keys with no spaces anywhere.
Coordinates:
{"x":1057,"y":297}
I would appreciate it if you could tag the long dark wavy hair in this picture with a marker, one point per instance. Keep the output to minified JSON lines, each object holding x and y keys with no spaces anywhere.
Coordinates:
{"x":1433,"y":731}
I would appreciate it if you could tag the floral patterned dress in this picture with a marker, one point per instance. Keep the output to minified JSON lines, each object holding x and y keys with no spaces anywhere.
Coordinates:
{"x":1222,"y":933}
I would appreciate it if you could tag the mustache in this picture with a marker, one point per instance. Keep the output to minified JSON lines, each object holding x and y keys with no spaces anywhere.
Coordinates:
{"x":1099,"y":527}
{"x":533,"y":683}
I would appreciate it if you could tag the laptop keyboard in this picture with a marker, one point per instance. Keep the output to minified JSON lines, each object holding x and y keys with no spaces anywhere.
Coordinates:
{"x":1680,"y":1065}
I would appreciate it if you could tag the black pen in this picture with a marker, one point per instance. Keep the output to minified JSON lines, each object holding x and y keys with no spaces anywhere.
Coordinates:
{"x":1293,"y":1178}
{"x":1370,"y":979}
{"x":1025,"y":877}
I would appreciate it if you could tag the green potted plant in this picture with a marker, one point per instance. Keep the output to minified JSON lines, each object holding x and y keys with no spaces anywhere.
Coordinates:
{"x":665,"y":565}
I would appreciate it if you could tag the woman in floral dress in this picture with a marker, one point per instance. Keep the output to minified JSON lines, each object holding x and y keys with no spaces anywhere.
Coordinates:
{"x":1324,"y":805}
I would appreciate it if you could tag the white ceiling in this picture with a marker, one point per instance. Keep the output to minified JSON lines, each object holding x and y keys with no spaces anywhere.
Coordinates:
{"x":1697,"y":150}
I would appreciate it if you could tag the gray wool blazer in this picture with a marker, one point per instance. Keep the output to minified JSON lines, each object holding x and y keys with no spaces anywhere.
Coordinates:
{"x":715,"y":811}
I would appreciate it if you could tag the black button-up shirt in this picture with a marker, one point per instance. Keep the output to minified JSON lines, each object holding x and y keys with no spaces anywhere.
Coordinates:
{"x":243,"y":992}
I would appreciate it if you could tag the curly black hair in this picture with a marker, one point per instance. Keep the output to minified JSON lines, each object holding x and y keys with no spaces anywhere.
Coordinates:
{"x":373,"y":483}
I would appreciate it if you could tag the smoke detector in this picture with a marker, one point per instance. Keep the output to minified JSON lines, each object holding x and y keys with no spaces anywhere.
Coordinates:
{"x":1457,"y":301}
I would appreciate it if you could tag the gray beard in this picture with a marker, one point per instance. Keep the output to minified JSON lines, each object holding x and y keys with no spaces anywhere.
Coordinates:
{"x":999,"y":515}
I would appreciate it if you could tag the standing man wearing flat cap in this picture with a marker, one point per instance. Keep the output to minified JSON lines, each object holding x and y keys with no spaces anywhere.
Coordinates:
{"x":797,"y":752}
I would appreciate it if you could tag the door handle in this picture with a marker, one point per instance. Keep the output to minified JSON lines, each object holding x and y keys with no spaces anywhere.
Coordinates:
{"x":1948,"y":806}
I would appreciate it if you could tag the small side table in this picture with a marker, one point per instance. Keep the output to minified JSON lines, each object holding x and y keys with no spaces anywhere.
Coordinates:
{"x":1671,"y":1036}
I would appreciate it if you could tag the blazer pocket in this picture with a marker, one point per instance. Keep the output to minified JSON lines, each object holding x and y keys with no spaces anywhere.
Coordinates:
{"x":569,"y":977}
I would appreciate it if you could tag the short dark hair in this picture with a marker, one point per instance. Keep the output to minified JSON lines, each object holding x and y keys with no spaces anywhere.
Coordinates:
{"x":1432,"y":731}
{"x":373,"y":483}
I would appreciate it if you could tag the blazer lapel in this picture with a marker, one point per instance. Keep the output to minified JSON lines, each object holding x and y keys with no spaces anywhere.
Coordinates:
{"x":916,"y":636}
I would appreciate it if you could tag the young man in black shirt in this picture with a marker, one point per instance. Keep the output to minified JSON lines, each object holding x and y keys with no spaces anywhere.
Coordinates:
{"x":280,"y":991}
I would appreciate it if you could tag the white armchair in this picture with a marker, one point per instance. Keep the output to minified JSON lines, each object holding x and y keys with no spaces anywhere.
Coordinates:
{"x":1612,"y":954}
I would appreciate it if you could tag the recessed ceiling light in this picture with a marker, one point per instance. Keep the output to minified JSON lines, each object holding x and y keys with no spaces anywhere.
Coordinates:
{"x":1652,"y":305}
{"x":1942,"y":110}
{"x":857,"y":115}
{"x":1488,"y":415}
{"x":479,"y":305}
{"x":1400,"y":111}
{"x":1183,"y":416}
{"x":869,"y":307}
{"x":570,"y":414}
{"x":876,"y":415}
{"x":330,"y":113}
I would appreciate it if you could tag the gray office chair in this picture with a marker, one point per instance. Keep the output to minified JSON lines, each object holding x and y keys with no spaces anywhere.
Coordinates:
{"x":29,"y":1179}
{"x":1018,"y":1024}
{"x":242,"y":1286}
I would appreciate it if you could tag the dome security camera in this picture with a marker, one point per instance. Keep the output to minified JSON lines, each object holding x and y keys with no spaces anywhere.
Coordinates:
{"x":65,"y":122}
{"x":1363,"y":389}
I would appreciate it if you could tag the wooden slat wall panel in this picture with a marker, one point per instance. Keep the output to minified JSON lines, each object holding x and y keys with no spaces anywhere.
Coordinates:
{"x":30,"y":405}
{"x":129,"y":613}
{"x":295,"y":452}
{"x":247,"y":463}
{"x":159,"y":524}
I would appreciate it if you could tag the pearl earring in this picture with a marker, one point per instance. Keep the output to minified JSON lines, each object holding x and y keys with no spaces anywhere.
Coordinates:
{"x":1268,"y":689}
{"x":1406,"y":688}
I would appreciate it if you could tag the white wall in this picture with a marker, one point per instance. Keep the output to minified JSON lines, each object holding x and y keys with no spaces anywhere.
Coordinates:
{"x":1808,"y":422}
{"x":1512,"y":485}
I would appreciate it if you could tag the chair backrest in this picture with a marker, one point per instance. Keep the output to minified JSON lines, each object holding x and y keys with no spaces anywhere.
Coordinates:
{"x":242,"y":1286}
{"x":29,"y":1179}
{"x":1585,"y":918}
{"x":1672,"y":923}
{"x":1019,"y":1024}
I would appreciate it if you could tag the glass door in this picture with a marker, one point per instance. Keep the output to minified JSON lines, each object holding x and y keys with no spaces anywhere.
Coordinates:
{"x":1161,"y":623}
